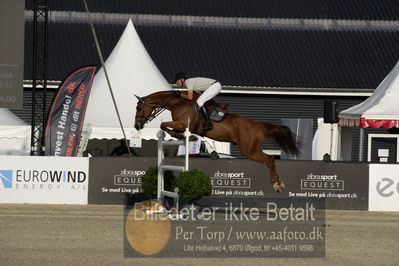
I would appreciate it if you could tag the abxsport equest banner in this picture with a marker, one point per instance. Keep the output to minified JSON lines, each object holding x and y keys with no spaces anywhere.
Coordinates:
{"x":67,"y":112}
{"x":343,"y":185}
{"x":116,"y":178}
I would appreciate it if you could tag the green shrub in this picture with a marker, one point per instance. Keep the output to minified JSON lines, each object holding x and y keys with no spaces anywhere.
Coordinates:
{"x":149,"y":183}
{"x":193,"y":184}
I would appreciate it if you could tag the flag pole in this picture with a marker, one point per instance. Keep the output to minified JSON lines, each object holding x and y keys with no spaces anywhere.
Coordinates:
{"x":100,"y":55}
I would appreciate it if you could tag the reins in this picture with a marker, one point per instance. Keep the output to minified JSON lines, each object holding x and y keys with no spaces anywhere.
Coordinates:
{"x":157,"y":110}
{"x":154,"y":114}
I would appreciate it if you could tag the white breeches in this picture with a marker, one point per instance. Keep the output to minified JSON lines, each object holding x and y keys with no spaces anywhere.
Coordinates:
{"x":209,"y":93}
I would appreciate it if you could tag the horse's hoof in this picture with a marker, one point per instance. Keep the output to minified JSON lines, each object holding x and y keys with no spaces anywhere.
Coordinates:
{"x":278,"y":186}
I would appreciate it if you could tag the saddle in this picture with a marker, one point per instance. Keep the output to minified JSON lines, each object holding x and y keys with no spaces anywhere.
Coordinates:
{"x":217,"y":112}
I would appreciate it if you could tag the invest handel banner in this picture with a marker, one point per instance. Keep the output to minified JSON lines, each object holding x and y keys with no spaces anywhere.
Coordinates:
{"x":67,"y":112}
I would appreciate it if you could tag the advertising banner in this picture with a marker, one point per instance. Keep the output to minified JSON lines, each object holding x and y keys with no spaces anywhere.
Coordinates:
{"x":113,"y":177}
{"x":235,"y":178}
{"x":384,"y":187}
{"x":47,"y":180}
{"x":343,"y":185}
{"x":67,"y":112}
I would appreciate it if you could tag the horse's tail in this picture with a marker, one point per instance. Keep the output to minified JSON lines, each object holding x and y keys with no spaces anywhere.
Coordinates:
{"x":283,"y":137}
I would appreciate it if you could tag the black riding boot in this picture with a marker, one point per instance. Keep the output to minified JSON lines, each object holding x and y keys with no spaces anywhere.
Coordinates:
{"x":205,"y":116}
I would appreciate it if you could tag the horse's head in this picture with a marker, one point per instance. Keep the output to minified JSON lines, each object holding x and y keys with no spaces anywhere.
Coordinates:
{"x":143,"y":113}
{"x":152,"y":105}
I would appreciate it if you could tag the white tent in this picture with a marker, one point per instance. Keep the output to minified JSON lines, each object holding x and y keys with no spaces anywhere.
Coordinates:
{"x":15,"y":134}
{"x":131,"y":71}
{"x":381,"y":109}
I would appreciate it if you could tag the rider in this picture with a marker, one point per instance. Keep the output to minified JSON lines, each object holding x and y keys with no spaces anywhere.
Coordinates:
{"x":208,"y":88}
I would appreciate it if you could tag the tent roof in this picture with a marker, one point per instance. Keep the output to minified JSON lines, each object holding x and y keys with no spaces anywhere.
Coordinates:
{"x":8,"y":118}
{"x":131,"y":71}
{"x":381,"y":109}
{"x":12,"y":126}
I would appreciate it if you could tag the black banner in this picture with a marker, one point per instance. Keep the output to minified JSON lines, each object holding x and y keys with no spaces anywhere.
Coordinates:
{"x":114,"y":178}
{"x":67,"y":112}
{"x":342,"y":185}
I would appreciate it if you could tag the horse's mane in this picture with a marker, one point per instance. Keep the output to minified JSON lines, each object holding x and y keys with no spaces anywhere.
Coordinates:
{"x":172,"y":93}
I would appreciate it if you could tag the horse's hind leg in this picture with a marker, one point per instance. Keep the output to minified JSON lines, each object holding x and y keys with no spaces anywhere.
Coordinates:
{"x":267,"y":160}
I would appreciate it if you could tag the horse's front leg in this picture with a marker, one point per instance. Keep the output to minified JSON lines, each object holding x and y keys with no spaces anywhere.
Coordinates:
{"x":173,"y":128}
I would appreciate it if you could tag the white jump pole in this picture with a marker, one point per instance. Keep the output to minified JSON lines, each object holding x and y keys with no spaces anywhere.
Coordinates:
{"x":187,"y":134}
{"x":162,"y":167}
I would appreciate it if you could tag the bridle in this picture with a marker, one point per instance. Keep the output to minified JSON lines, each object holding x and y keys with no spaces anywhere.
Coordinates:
{"x":154,"y":112}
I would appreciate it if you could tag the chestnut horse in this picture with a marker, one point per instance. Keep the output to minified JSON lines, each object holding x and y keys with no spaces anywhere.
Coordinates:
{"x":248,"y":134}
